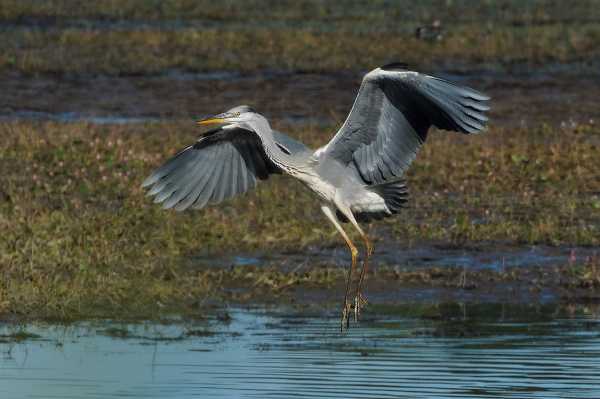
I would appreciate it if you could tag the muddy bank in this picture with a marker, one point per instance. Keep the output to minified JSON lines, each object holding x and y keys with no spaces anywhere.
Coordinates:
{"x":396,"y":285}
{"x":520,"y":99}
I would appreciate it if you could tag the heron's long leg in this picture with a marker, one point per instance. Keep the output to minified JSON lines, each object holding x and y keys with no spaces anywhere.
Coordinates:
{"x":359,"y":300}
{"x":365,"y":268}
{"x":333,"y":218}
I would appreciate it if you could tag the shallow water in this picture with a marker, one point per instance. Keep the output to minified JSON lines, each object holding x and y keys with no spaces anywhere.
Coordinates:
{"x":27,"y":115}
{"x":416,"y":257}
{"x":258,"y":354}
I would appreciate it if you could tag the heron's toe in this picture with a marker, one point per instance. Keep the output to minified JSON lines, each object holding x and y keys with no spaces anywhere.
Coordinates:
{"x":359,"y":302}
{"x":345,"y":320}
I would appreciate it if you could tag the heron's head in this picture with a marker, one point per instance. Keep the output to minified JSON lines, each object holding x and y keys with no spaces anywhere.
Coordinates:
{"x":235,"y":117}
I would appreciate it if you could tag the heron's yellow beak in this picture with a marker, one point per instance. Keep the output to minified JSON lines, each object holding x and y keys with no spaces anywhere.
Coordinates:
{"x":211,"y":121}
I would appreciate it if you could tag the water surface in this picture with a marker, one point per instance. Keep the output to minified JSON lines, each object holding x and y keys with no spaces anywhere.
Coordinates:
{"x":272,"y":354}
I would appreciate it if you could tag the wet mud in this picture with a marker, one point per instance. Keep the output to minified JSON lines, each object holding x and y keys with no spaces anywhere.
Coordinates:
{"x":477,"y":256}
{"x":527,"y":98}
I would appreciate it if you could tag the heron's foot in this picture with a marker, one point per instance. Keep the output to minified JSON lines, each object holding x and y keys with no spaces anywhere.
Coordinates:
{"x":359,"y":302}
{"x":345,"y":321}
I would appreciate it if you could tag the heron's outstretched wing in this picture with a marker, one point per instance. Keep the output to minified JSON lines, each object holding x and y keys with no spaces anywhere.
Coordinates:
{"x":220,"y":165}
{"x":391,"y":115}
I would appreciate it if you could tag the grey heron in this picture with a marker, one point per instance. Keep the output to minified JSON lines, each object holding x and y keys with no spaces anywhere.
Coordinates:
{"x":357,"y":176}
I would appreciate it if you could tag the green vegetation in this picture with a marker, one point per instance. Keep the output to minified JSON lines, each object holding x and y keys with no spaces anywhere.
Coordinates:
{"x":508,"y":11}
{"x":522,"y":185}
{"x":148,"y":37}
{"x":80,"y":238}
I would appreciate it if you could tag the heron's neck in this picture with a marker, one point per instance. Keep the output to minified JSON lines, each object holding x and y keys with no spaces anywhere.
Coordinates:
{"x":272,"y":150}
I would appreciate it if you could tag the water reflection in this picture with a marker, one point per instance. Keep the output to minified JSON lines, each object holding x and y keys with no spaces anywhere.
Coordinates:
{"x":261,"y":353}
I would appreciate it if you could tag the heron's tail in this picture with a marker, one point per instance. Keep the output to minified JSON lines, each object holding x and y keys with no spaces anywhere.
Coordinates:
{"x":394,"y":193}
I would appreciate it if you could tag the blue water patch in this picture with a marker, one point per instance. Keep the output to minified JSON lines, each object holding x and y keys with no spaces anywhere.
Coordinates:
{"x":264,"y":354}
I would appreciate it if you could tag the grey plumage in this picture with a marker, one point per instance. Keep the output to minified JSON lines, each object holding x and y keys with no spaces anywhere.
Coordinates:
{"x":391,"y":116}
{"x":358,"y":175}
{"x":220,"y":165}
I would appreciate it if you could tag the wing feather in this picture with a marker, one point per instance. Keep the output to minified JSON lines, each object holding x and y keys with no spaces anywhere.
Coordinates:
{"x":221,"y":164}
{"x":205,"y":194}
{"x":185,"y":184}
{"x":391,"y":116}
{"x":199,"y":186}
{"x":233,"y":180}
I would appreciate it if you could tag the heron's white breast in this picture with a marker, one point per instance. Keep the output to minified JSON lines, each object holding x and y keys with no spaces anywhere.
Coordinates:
{"x":321,"y":187}
{"x":368,"y":201}
{"x":319,"y":151}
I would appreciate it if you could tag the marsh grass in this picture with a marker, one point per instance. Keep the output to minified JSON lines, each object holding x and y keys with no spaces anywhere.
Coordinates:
{"x":59,"y":37}
{"x":81,"y":239}
{"x":76,"y":51}
{"x":514,"y":12}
